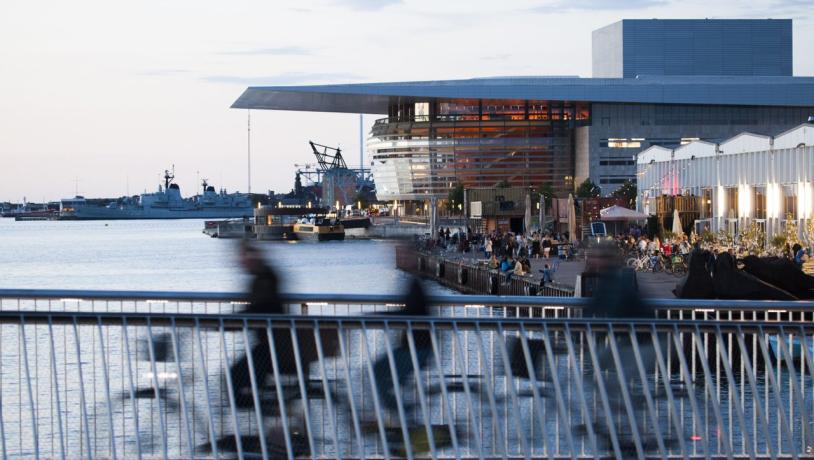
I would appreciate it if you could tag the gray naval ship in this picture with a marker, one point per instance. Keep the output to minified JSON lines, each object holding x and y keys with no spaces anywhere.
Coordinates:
{"x":166,"y":203}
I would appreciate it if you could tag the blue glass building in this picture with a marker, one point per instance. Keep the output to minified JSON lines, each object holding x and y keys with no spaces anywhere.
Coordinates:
{"x":655,"y":82}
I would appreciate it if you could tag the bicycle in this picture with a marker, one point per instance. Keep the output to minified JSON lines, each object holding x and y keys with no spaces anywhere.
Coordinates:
{"x":679,"y":265}
{"x":646,"y":263}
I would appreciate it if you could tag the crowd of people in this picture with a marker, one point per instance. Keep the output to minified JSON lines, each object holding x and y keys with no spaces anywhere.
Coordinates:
{"x":506,"y":252}
{"x":644,"y":245}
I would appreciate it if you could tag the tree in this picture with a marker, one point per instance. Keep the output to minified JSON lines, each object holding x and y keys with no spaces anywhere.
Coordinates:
{"x":455,"y":197}
{"x":361,"y":198}
{"x":626,"y":191}
{"x":588,"y":189}
{"x":547,"y":191}
{"x":791,"y":230}
{"x":503,"y":184}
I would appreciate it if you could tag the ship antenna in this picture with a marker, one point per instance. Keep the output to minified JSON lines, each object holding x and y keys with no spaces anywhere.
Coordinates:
{"x":249,"y":150}
{"x":168,"y":176}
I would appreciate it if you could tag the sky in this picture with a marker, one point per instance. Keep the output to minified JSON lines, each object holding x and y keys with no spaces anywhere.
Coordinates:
{"x":99,"y":97}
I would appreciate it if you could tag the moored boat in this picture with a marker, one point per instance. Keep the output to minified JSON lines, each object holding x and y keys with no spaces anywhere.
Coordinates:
{"x":319,"y":229}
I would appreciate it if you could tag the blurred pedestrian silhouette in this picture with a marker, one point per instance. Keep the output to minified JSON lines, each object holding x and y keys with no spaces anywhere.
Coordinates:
{"x":263,"y":299}
{"x":617,"y":296}
{"x":415,"y":304}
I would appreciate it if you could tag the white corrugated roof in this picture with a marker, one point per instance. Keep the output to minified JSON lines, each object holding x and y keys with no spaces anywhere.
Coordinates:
{"x":695,"y":149}
{"x":655,"y":153}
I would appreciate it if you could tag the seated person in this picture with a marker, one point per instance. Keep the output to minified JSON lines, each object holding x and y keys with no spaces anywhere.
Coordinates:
{"x":799,"y":254}
{"x":518,"y":269}
{"x":526,"y":264}
{"x":505,"y":265}
{"x":494,"y":264}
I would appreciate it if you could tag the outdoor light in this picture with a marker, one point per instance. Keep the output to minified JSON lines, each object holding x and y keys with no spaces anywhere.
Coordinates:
{"x":279,"y":204}
{"x":803,"y":200}
{"x":773,"y":200}
{"x":337,"y":205}
{"x":359,"y":204}
{"x":309,"y":204}
{"x":744,"y":200}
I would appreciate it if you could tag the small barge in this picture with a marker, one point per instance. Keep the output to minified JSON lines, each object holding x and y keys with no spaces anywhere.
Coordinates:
{"x":319,"y":228}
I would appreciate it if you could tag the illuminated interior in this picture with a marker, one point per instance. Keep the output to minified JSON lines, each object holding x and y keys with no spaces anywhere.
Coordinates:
{"x":425,"y":146}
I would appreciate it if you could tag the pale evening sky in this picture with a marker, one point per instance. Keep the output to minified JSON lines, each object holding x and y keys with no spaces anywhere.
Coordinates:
{"x":103,"y":96}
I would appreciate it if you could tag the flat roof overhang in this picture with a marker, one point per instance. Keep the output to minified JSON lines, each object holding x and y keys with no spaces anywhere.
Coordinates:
{"x":374,"y":98}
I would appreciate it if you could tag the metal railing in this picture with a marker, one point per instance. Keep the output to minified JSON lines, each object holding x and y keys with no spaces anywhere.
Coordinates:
{"x":68,"y":300}
{"x":163,"y":383}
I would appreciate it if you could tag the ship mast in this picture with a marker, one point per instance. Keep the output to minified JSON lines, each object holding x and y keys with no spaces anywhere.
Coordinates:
{"x":249,"y":149}
{"x":168,"y":177}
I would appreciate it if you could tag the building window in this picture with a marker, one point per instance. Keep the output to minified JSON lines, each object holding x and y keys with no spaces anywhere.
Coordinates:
{"x":621,"y":143}
{"x":706,"y":203}
{"x":731,"y":202}
{"x":616,"y":163}
{"x":760,"y":202}
{"x":605,"y":180}
{"x":789,"y":201}
{"x":422,"y":111}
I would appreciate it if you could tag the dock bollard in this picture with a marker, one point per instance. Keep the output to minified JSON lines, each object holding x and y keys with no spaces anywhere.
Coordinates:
{"x":493,"y":284}
{"x":463,"y":275}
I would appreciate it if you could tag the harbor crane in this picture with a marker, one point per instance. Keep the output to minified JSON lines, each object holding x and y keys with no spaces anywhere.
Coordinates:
{"x":328,"y":157}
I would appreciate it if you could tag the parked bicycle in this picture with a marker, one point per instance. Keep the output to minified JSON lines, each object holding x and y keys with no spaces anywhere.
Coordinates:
{"x":648,"y":262}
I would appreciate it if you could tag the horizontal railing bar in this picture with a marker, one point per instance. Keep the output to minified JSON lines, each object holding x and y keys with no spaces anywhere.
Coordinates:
{"x":236,"y":321}
{"x":438,"y":300}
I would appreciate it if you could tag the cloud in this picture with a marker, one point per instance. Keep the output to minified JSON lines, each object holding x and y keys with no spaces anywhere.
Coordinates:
{"x":799,"y":9}
{"x":556,"y":6}
{"x":497,"y":57}
{"x":162,"y":72}
{"x":367,"y":5}
{"x":287,"y":78}
{"x":275,"y":51}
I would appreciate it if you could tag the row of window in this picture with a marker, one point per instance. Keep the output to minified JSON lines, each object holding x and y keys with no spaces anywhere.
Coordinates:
{"x":605,"y":180}
{"x":489,"y":109}
{"x":639,"y":142}
{"x":707,"y":115}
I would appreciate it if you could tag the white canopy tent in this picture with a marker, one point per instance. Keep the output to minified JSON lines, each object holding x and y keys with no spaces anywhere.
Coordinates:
{"x":619,"y":214}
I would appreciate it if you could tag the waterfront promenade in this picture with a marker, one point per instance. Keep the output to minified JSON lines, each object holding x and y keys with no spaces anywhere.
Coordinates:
{"x":652,"y":285}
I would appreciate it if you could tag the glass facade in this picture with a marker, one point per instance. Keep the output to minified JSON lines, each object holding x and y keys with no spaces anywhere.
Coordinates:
{"x":424,"y":148}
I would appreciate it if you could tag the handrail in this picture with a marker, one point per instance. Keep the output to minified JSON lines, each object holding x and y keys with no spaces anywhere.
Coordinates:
{"x":445,"y":300}
{"x":231,"y":321}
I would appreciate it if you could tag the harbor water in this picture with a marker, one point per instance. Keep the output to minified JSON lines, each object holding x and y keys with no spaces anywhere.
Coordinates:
{"x":173,"y":255}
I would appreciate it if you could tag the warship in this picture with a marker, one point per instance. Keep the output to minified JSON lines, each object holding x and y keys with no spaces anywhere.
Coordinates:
{"x":166,"y":203}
